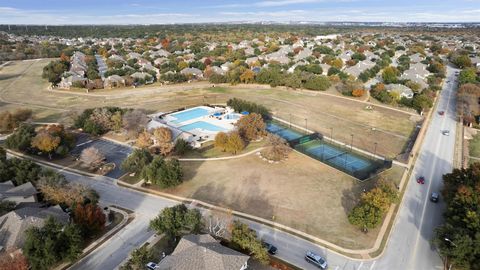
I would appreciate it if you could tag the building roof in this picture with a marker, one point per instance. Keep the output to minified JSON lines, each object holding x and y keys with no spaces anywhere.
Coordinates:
{"x":203,"y":252}
{"x":14,"y":224}
{"x":9,"y":192}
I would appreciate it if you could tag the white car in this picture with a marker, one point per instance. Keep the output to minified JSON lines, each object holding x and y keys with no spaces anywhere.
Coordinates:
{"x":446,"y":132}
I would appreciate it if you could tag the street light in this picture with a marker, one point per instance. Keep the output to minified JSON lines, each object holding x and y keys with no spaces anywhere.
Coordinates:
{"x":450,"y":241}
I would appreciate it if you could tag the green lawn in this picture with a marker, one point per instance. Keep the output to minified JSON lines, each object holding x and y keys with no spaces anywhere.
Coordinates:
{"x":474,"y":146}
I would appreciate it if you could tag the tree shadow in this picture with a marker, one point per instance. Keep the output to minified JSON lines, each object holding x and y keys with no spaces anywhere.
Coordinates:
{"x":8,"y":76}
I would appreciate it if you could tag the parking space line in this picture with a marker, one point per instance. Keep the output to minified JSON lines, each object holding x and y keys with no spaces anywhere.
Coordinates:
{"x":373,"y":265}
{"x":360,"y":266}
{"x":80,"y":144}
{"x":336,"y":268}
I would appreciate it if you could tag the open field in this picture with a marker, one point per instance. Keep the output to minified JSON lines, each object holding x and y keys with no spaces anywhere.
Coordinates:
{"x":301,"y":193}
{"x":22,"y":85}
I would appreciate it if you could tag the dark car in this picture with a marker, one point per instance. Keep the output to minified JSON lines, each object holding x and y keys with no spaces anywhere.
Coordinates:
{"x":270,"y":248}
{"x":315,"y":259}
{"x":434,"y":197}
{"x":441,"y":112}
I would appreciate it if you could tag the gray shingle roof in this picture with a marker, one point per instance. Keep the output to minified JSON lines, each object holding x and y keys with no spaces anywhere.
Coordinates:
{"x":203,"y":252}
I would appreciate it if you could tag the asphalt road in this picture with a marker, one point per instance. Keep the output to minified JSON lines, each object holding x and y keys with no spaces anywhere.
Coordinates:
{"x":408,"y":247}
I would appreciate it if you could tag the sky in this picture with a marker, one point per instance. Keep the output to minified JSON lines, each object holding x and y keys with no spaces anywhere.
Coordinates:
{"x":60,"y":12}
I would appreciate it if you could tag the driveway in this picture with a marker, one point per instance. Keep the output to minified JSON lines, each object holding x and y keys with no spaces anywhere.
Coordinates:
{"x":114,"y":152}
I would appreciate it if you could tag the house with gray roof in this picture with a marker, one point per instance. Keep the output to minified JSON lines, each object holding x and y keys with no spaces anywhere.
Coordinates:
{"x":113,"y":81}
{"x":67,"y":82}
{"x":14,"y":224}
{"x":417,"y":73}
{"x":195,"y":72}
{"x":25,"y":193}
{"x":203,"y":252}
{"x":359,"y":68}
{"x":402,"y":90}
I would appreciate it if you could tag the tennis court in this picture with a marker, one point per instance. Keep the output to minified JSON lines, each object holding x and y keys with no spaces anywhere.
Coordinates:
{"x":339,"y":157}
{"x":283,"y":131}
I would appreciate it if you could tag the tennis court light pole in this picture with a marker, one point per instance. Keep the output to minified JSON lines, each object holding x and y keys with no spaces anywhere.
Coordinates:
{"x":306,"y":129}
{"x":290,"y":122}
{"x":375,"y":150}
{"x":351,"y":143}
{"x":331,"y":134}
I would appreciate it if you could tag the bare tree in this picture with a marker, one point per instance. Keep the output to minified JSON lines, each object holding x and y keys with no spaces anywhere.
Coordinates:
{"x":92,"y":157}
{"x":218,"y":223}
{"x":276,"y":149}
{"x":163,"y":139}
{"x":134,"y":122}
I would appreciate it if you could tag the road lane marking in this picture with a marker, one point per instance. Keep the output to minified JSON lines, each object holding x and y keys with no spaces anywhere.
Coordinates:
{"x":373,"y":265}
{"x":80,"y":144}
{"x":360,"y":266}
{"x":336,"y":268}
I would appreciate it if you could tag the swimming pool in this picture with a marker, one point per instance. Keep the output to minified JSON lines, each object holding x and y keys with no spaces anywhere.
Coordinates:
{"x":202,"y":125}
{"x":187,"y":115}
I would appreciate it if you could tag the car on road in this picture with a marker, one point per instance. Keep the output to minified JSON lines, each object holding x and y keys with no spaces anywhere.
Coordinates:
{"x":421,"y":180}
{"x":270,"y":248}
{"x":316,"y":260}
{"x":152,"y":266}
{"x":446,"y":132}
{"x":441,"y":112}
{"x":434,"y":197}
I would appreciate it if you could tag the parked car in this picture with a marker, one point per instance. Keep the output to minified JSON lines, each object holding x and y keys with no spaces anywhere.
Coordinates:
{"x":434,"y":197}
{"x":421,"y":180}
{"x":316,"y":260}
{"x":441,"y":112}
{"x":446,"y":132}
{"x":152,"y":266}
{"x":270,"y":248}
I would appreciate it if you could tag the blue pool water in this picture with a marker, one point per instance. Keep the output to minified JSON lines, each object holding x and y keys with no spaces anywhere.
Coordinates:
{"x":189,"y":114}
{"x":284,"y":132}
{"x":202,"y":125}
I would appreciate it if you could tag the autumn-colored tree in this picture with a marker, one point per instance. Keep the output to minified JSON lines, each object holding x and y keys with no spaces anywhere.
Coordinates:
{"x":247,"y":76}
{"x":57,"y":190}
{"x":117,"y":121}
{"x":165,"y":43}
{"x":277,"y":148}
{"x":182,"y":65}
{"x":64,"y":58}
{"x":92,"y":157}
{"x":46,"y":142}
{"x":163,"y":139}
{"x":144,"y":139}
{"x":235,"y":143}
{"x":251,"y":126}
{"x":358,"y":92}
{"x":390,"y":74}
{"x":90,"y":218}
{"x":221,"y":140}
{"x":338,"y":63}
{"x":134,"y":122}
{"x":13,"y":260}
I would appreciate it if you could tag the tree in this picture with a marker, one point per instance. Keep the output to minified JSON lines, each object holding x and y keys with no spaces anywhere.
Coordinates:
{"x":144,"y":139}
{"x":462,"y":218}
{"x":468,"y":75}
{"x":52,"y":243}
{"x":317,"y":83}
{"x":163,"y":139}
{"x":57,"y":190}
{"x":247,"y":76}
{"x":21,"y":139}
{"x":6,"y":206}
{"x":221,"y":140}
{"x":24,"y":170}
{"x":358,"y":92}
{"x":365,"y":216}
{"x":138,"y":259}
{"x":235,"y":143}
{"x":246,"y":239}
{"x":135,"y":121}
{"x":13,"y":260}
{"x":181,"y":146}
{"x":277,"y":148}
{"x":46,"y":143}
{"x":251,"y":126}
{"x":176,"y":220}
{"x":389,"y":75}
{"x":163,"y":173}
{"x":10,"y":121}
{"x":462,"y":61}
{"x":90,"y":219}
{"x":136,"y":161}
{"x":218,"y":223}
{"x":92,"y":157}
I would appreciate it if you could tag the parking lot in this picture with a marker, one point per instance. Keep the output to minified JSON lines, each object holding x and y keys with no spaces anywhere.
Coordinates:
{"x":114,"y":153}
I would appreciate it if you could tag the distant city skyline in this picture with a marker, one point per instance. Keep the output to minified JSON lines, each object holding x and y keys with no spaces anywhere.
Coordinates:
{"x":56,"y":12}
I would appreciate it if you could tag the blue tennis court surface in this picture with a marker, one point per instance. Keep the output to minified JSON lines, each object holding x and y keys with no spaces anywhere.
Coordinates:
{"x":337,"y":157}
{"x":284,"y":132}
{"x":201,"y":125}
{"x":187,"y":115}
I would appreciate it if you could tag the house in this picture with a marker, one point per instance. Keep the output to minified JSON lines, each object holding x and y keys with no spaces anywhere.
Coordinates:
{"x":402,"y":90}
{"x":218,"y":70}
{"x":417,"y":73}
{"x":203,"y":252}
{"x":134,"y":55}
{"x":113,"y":81}
{"x":142,"y":76}
{"x":416,"y":58}
{"x":226,"y":66}
{"x":14,"y":224}
{"x":195,"y":72}
{"x":160,"y":61}
{"x":359,"y":68}
{"x":68,"y":82}
{"x":249,"y":61}
{"x":25,"y":193}
{"x":306,"y":52}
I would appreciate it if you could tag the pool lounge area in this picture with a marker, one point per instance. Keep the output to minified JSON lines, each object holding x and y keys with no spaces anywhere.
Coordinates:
{"x":197,"y":125}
